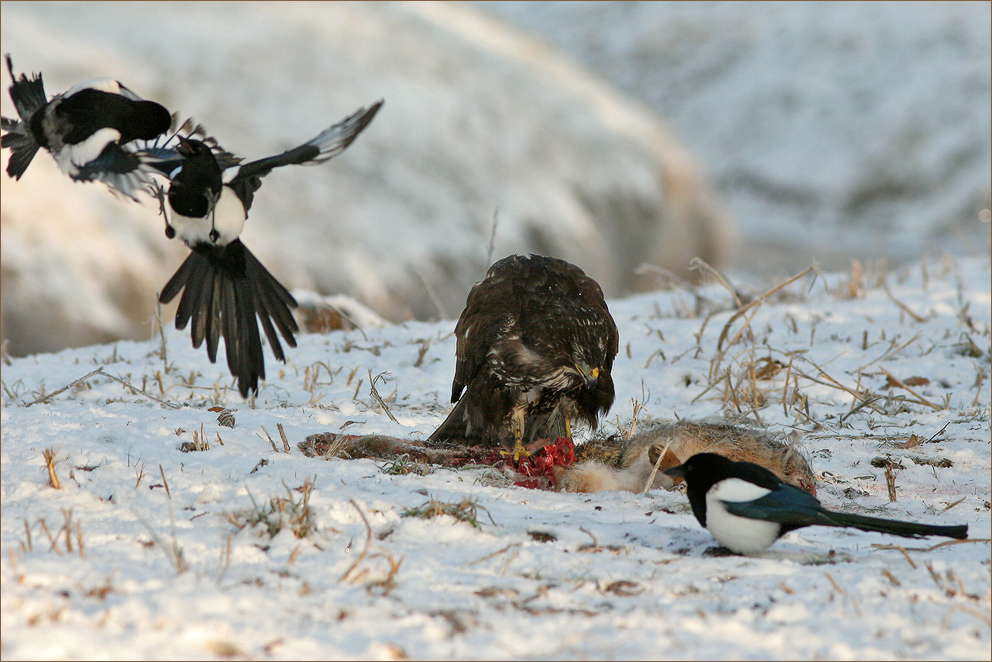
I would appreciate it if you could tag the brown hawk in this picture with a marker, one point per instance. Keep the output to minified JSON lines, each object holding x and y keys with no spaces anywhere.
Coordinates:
{"x":535,"y":347}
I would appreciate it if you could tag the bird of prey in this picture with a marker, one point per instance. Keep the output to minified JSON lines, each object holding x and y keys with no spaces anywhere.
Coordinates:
{"x":747,"y":507}
{"x":224,"y":286}
{"x":535,"y":347}
{"x":85,"y":129}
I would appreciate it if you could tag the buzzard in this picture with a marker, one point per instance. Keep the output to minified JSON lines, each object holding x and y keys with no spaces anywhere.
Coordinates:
{"x":535,"y":346}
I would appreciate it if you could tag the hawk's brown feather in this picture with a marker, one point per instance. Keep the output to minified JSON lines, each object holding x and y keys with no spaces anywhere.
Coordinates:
{"x":536,"y":336}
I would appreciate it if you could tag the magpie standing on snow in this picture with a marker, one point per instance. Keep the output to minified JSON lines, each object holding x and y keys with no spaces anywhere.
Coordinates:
{"x":747,"y":507}
{"x":224,"y":287}
{"x":84,"y":129}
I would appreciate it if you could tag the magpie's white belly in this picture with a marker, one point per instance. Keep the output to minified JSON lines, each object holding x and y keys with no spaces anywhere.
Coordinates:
{"x":71,"y":157}
{"x":738,"y":534}
{"x":219,"y":227}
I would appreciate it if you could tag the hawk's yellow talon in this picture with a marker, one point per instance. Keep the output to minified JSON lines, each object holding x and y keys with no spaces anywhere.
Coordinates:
{"x":518,"y":452}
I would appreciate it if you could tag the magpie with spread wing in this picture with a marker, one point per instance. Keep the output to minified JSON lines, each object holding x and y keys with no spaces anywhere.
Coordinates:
{"x":85,"y":129}
{"x":224,"y":286}
{"x":747,"y":507}
{"x":535,"y":347}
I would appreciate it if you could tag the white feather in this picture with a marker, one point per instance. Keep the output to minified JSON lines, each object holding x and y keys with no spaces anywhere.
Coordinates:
{"x":739,"y":534}
{"x":71,"y":157}
{"x":227,"y":218}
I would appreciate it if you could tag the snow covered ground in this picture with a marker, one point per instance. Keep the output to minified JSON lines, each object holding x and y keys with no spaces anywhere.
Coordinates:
{"x":244,"y":549}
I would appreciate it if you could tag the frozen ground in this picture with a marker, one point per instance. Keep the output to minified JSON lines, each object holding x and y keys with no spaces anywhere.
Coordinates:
{"x":146,"y":551}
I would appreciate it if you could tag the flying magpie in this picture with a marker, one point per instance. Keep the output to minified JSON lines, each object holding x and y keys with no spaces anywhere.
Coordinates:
{"x":85,"y":130}
{"x":224,"y":286}
{"x":747,"y":507}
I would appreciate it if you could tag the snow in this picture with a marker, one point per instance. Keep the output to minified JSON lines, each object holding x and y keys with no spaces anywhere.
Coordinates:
{"x":157,"y":567}
{"x":155,"y":564}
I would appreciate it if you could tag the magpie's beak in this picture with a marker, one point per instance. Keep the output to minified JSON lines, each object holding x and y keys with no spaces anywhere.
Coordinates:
{"x":185,"y":148}
{"x":678,"y":471}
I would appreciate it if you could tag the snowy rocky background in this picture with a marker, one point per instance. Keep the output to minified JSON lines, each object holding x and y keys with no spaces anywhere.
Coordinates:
{"x":175,"y":536}
{"x":831,"y":130}
{"x":479,"y":123}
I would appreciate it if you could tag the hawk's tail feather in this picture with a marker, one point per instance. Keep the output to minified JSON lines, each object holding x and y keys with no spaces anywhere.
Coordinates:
{"x":454,"y":427}
{"x":225,"y":293}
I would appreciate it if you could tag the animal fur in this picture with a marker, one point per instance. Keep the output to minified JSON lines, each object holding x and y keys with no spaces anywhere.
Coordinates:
{"x":615,"y":463}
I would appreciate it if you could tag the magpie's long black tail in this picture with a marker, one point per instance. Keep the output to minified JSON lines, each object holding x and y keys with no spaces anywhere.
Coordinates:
{"x":224,"y":290}
{"x":28,"y":95}
{"x":892,"y":526}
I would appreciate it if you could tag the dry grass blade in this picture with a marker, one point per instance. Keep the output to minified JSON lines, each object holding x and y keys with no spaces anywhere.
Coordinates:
{"x":100,"y":371}
{"x":757,"y":302}
{"x":890,"y":482}
{"x":46,"y":398}
{"x":698,"y":264}
{"x":273,"y":443}
{"x":378,"y":398}
{"x":657,"y":465}
{"x":946,"y":543}
{"x":494,"y":554}
{"x":858,"y":395}
{"x":282,"y":433}
{"x":354,"y":574}
{"x":982,"y":616}
{"x":892,"y":351}
{"x":920,"y":399}
{"x":49,"y":455}
{"x":365,"y":550}
{"x":902,"y":306}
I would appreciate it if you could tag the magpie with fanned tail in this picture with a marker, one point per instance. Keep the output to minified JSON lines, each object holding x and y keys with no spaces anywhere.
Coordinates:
{"x":86,"y":130}
{"x":224,"y":287}
{"x":746,"y":507}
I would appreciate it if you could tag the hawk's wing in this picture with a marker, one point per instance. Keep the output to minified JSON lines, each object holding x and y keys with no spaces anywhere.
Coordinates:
{"x":488,"y":316}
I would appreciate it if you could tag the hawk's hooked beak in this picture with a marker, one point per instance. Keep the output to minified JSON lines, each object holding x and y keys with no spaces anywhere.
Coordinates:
{"x":590,"y":375}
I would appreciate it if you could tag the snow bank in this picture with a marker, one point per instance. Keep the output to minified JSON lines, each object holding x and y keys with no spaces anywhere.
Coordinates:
{"x":479,"y":124}
{"x":832,"y":130}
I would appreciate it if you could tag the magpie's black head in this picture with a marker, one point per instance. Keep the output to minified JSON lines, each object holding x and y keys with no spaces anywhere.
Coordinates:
{"x":190,"y":148}
{"x":703,"y":470}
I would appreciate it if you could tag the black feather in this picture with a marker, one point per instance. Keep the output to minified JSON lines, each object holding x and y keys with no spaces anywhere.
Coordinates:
{"x":225,"y":293}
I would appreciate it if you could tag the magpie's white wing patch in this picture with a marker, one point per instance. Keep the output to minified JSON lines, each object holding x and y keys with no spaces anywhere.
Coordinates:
{"x":736,"y":489}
